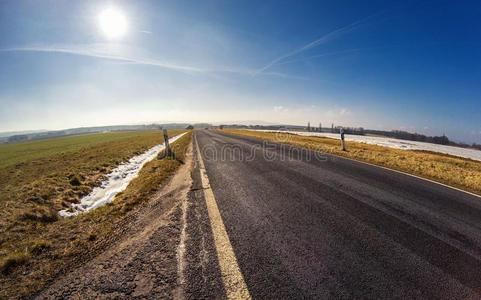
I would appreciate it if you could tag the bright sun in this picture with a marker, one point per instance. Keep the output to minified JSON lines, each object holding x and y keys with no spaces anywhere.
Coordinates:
{"x":112,"y":23}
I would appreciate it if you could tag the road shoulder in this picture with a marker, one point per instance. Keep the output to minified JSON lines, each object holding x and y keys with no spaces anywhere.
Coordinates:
{"x":140,"y":260}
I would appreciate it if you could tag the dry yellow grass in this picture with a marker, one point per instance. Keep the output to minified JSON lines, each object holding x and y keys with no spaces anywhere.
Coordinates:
{"x":454,"y":171}
{"x":36,"y":244}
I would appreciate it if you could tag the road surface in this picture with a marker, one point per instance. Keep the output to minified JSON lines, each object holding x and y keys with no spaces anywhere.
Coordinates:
{"x":316,"y":227}
{"x":242,"y":219}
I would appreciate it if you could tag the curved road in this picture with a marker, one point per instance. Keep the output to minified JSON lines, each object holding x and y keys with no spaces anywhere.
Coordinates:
{"x":303,"y":225}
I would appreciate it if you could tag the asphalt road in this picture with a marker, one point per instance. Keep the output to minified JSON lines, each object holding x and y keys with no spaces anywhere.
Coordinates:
{"x":304,"y":226}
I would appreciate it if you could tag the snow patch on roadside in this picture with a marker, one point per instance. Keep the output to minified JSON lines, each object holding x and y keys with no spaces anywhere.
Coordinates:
{"x":116,"y":181}
{"x":395,"y":143}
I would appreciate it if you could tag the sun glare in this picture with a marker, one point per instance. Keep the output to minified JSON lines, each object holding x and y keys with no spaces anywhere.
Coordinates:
{"x":112,"y":23}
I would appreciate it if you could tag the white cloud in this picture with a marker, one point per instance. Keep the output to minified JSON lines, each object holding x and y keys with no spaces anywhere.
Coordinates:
{"x":280,"y":109}
{"x":338,"y":112}
{"x":104,"y":51}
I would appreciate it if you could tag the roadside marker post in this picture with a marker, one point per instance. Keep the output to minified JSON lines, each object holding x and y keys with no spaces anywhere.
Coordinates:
{"x":167,"y":152}
{"x":343,"y":144}
{"x":167,"y":144}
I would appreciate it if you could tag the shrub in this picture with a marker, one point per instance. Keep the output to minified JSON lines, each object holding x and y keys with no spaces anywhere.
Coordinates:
{"x":75,"y":180}
{"x":92,"y":237}
{"x":40,"y":246}
{"x":12,"y":261}
{"x":39,"y":214}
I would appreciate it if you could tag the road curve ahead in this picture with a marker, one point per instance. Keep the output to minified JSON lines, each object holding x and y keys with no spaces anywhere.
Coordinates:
{"x":303,"y":226}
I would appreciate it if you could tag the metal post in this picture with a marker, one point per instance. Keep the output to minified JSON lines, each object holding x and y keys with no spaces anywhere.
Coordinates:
{"x":343,"y":145}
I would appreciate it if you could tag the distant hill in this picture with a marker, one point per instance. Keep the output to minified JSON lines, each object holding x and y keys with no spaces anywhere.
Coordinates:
{"x":10,"y":137}
{"x":10,"y":133}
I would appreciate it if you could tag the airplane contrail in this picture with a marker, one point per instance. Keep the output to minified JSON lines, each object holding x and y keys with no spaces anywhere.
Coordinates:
{"x":322,"y":40}
{"x":89,"y":51}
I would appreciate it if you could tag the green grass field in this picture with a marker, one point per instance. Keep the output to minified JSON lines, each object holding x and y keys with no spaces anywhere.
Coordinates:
{"x":39,"y":178}
{"x":22,"y":152}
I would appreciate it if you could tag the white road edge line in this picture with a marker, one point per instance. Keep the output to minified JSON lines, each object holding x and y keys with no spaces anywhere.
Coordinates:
{"x":412,"y":175}
{"x":232,"y":278}
{"x":386,"y":168}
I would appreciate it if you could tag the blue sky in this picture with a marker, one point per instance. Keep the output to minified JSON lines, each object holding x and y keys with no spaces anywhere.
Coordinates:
{"x":410,"y":65}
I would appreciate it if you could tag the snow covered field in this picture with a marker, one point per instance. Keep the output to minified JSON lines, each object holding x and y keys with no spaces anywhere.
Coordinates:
{"x":396,"y":143}
{"x":117,"y":181}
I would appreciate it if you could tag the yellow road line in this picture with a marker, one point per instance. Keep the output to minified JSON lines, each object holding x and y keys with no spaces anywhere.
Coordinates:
{"x":232,"y":278}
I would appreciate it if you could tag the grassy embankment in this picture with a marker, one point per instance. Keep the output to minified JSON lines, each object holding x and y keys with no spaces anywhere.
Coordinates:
{"x":39,"y":178}
{"x":454,"y":171}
